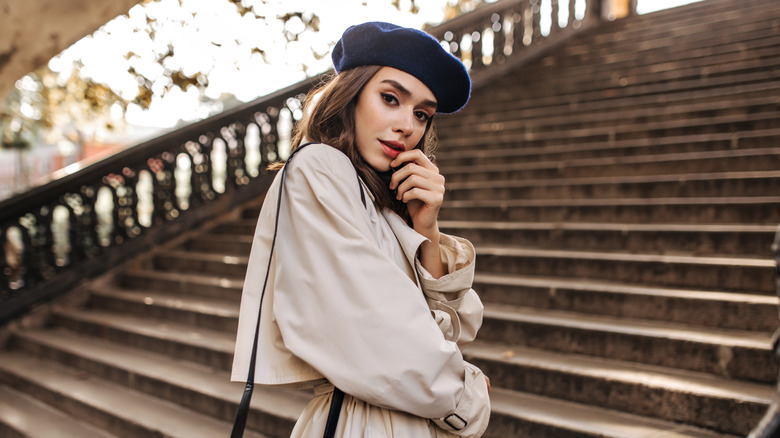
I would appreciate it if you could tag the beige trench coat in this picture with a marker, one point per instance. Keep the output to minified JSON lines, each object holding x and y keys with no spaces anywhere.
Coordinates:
{"x":348,"y":301}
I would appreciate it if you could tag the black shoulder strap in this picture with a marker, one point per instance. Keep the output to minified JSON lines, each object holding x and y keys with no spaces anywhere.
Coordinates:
{"x":243,"y":408}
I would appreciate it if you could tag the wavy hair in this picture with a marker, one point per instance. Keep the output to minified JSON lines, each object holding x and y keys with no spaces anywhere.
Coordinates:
{"x":329,"y":118}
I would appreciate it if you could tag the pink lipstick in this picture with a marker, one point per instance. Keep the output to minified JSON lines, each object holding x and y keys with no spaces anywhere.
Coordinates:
{"x":391,"y":149}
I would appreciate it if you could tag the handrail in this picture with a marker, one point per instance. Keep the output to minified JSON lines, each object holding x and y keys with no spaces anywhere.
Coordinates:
{"x":83,"y":223}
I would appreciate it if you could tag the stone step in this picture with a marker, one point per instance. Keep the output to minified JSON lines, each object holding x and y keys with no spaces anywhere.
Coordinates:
{"x":211,"y":348}
{"x":120,"y":411}
{"x":512,"y":152}
{"x":750,"y":50}
{"x":731,"y":274}
{"x":606,"y":48}
{"x":208,"y":313}
{"x":609,"y":47}
{"x":679,"y":21}
{"x":757,"y":210}
{"x":200,"y":389}
{"x":226,"y":266}
{"x":516,"y":414}
{"x":637,"y":186}
{"x":22,"y":416}
{"x":190,"y":285}
{"x":624,"y":131}
{"x":634,"y":104}
{"x":531,"y":121}
{"x":609,"y":91}
{"x":244,"y":226}
{"x":224,"y":239}
{"x":719,"y":161}
{"x":726,"y":310}
{"x":734,"y":354}
{"x":701,"y":400}
{"x":619,"y":83}
{"x":625,"y":69}
{"x":674,"y":239}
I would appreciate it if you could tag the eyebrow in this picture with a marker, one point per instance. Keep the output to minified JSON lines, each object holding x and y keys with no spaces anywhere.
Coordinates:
{"x":406,"y":92}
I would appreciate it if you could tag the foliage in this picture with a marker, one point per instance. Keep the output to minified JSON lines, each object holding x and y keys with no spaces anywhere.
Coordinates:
{"x":68,"y":102}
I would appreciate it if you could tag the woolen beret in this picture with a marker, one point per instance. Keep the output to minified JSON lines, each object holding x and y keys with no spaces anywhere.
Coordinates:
{"x":410,"y":50}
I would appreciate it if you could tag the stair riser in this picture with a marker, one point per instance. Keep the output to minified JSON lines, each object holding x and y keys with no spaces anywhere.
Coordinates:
{"x":84,"y":412}
{"x":693,"y":28}
{"x":584,"y":74}
{"x":473,"y":157}
{"x":202,"y":320}
{"x":723,"y":415}
{"x":758,"y":213}
{"x":690,"y":76}
{"x":506,"y":171}
{"x":217,"y":246}
{"x":551,"y":94}
{"x":489,"y":111}
{"x":738,"y":244}
{"x":163,"y":389}
{"x":709,"y":313}
{"x":212,"y":358}
{"x":739,"y":279}
{"x":651,"y":189}
{"x":6,"y":431}
{"x":181,"y":287}
{"x":699,"y":27}
{"x":647,"y":131}
{"x":739,"y":363}
{"x":628,"y":107}
{"x":213,"y":267}
{"x":237,"y":228}
{"x":504,"y":426}
{"x":668,"y":114}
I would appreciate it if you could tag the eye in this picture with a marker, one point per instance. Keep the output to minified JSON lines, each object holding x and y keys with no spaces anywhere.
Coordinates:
{"x":422,"y":116}
{"x":389,"y":98}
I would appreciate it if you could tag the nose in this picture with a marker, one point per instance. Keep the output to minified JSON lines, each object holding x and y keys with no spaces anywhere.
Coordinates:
{"x":404,"y":123}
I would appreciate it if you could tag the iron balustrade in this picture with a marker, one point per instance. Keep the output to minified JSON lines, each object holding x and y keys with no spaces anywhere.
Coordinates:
{"x":84,"y":223}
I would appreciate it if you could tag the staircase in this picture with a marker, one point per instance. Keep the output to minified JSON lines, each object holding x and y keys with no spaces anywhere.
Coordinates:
{"x":622,"y":194}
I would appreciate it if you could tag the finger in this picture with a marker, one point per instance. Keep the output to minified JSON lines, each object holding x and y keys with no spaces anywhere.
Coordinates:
{"x":424,"y":180}
{"x":411,"y":169}
{"x":427,"y":197}
{"x":413,"y":156}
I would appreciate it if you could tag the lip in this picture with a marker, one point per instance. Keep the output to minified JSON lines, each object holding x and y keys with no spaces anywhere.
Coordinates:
{"x":391,"y":148}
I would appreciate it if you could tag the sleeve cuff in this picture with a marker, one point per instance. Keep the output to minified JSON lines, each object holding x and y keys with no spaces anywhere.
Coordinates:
{"x":471,"y":416}
{"x":458,"y":257}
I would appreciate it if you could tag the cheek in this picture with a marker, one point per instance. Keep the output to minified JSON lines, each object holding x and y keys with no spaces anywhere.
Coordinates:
{"x":418,"y":135}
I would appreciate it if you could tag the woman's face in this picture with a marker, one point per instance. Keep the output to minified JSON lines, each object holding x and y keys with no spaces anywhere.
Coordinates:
{"x":391,"y":115}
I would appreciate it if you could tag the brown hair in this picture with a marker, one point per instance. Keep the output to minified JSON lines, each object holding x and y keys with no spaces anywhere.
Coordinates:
{"x":329,"y":118}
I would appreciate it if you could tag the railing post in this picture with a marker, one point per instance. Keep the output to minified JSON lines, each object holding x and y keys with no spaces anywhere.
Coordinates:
{"x":596,"y":9}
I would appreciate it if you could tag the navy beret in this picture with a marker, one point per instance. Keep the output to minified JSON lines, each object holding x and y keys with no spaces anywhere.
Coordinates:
{"x":410,"y":50}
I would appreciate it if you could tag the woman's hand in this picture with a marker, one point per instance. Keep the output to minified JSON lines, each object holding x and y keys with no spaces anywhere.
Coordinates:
{"x":420,"y":185}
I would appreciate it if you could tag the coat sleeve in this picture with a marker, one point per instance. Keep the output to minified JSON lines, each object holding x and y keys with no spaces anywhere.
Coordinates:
{"x":455,"y":305}
{"x":346,"y":309}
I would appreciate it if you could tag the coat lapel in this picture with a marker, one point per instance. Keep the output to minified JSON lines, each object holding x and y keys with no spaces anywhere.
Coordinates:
{"x":409,"y":239}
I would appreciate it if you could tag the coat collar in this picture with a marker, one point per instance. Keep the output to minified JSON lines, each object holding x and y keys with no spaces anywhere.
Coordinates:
{"x":409,"y":239}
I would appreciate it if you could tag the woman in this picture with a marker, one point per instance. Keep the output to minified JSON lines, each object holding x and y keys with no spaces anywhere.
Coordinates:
{"x":363,"y":291}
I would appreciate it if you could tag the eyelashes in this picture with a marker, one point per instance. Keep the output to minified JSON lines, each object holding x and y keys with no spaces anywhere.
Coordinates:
{"x":422,"y":116}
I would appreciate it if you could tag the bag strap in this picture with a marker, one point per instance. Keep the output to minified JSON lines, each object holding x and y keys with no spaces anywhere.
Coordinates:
{"x":239,"y":424}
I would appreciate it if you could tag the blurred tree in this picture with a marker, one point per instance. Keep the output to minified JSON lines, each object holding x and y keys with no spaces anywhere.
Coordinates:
{"x":68,"y":102}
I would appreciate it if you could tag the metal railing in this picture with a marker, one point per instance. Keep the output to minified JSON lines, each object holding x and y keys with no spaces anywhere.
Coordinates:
{"x":82,"y":224}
